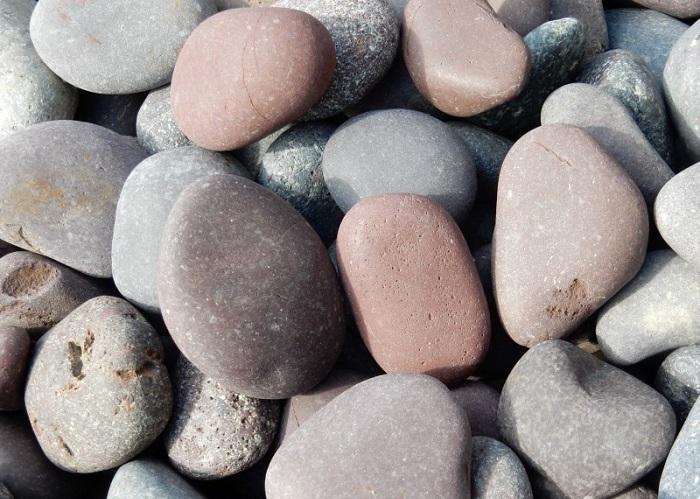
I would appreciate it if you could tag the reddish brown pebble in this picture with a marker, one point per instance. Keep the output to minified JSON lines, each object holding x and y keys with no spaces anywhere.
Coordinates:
{"x":413,"y":287}
{"x":462,"y":58}
{"x":244,"y":73}
{"x":15,"y":346}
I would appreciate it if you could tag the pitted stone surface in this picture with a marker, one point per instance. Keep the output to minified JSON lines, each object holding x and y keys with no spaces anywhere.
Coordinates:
{"x":497,"y":472}
{"x":150,"y":479}
{"x":15,"y":347}
{"x":156,"y":129}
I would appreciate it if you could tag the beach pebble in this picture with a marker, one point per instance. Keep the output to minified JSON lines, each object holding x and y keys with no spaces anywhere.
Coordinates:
{"x":521,"y":15}
{"x":682,"y":9}
{"x":116,"y":112}
{"x":150,"y":479}
{"x":591,"y":15}
{"x":678,"y":379}
{"x":480,"y":403}
{"x":156,"y":129}
{"x":680,"y":479}
{"x":497,"y":472}
{"x":15,"y":347}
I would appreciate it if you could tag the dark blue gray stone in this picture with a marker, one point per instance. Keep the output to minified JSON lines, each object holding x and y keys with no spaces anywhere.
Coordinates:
{"x":497,"y":472}
{"x":116,"y":112}
{"x":680,"y":478}
{"x":156,"y":129}
{"x":678,"y":379}
{"x":150,"y":479}
{"x":591,"y":15}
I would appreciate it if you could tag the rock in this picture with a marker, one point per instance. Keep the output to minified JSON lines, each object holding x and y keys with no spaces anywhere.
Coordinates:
{"x":545,"y":489}
{"x":678,"y":379}
{"x":15,"y":347}
{"x":268,"y":66}
{"x":116,"y":112}
{"x":252,"y":155}
{"x":611,"y":428}
{"x":4,"y":493}
{"x":278,"y":279}
{"x":366,"y":37}
{"x":678,"y":479}
{"x":571,"y":229}
{"x":156,"y":129}
{"x":61,"y":184}
{"x":235,"y":4}
{"x":399,"y":150}
{"x":521,"y":15}
{"x":480,"y":403}
{"x":98,"y":392}
{"x":150,"y":479}
{"x":659,"y":310}
{"x":676,"y":8}
{"x":215,"y":432}
{"x":405,"y":423}
{"x":291,"y":168}
{"x":591,"y":15}
{"x":31,"y":92}
{"x":114,"y":47}
{"x":461,"y":57}
{"x":144,"y":204}
{"x":405,"y":252}
{"x":36,"y":293}
{"x":608,"y":121}
{"x":497,"y":472}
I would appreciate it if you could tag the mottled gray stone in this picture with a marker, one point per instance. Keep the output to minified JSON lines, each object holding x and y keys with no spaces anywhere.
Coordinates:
{"x":590,"y":428}
{"x":607,"y":119}
{"x":591,"y":15}
{"x":235,"y":4}
{"x":61,"y":182}
{"x":392,"y":435}
{"x":678,"y":379}
{"x":115,"y":47}
{"x":252,"y":155}
{"x":659,"y":310}
{"x":144,"y":204}
{"x":366,"y":37}
{"x":291,"y":167}
{"x":156,"y":129}
{"x":15,"y":347}
{"x":556,"y":48}
{"x":480,"y":403}
{"x":497,"y":473}
{"x":150,"y":479}
{"x":680,"y":478}
{"x":399,"y":150}
{"x":116,"y":112}
{"x":98,"y":392}
{"x":29,"y":91}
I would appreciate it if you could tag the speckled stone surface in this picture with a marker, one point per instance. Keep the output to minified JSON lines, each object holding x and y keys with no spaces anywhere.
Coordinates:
{"x":150,"y":479}
{"x":366,"y":37}
{"x":571,"y":229}
{"x":591,"y":15}
{"x":144,"y":204}
{"x":497,"y":472}
{"x":61,"y":182}
{"x":480,"y":403}
{"x":252,"y":155}
{"x":244,"y":73}
{"x":36,"y":292}
{"x":235,"y":4}
{"x":116,"y":112}
{"x":98,"y":392}
{"x":659,"y":310}
{"x":29,"y":91}
{"x":278,"y":278}
{"x":156,"y":129}
{"x":405,"y":252}
{"x":15,"y":347}
{"x":521,"y":15}
{"x":390,"y":435}
{"x":589,"y":427}
{"x":682,"y":9}
{"x":399,"y":150}
{"x":291,"y":167}
{"x":82,"y":43}
{"x":680,"y":479}
{"x":678,"y":379}
{"x":609,"y":122}
{"x":461,"y":57}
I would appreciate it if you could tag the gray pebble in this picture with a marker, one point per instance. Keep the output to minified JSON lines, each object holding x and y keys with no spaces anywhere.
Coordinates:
{"x":116,"y":112}
{"x":4,"y":493}
{"x":150,"y":479}
{"x":678,"y":379}
{"x":680,"y":478}
{"x":591,"y":15}
{"x":497,"y":473}
{"x":480,"y":403}
{"x":156,"y":129}
{"x":251,"y":156}
{"x":235,"y":4}
{"x":15,"y":347}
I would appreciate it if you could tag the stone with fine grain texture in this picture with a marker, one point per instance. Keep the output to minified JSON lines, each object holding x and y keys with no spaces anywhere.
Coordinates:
{"x":150,"y":479}
{"x":679,"y":479}
{"x":15,"y":346}
{"x":571,"y":230}
{"x":678,"y":379}
{"x":592,"y":15}
{"x":156,"y":129}
{"x":497,"y":472}
{"x":480,"y":404}
{"x":521,"y":15}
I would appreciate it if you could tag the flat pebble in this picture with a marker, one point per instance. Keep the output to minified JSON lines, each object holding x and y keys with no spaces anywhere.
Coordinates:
{"x":278,"y":277}
{"x":116,"y":112}
{"x":480,"y":403}
{"x":156,"y":129}
{"x":521,"y":15}
{"x":680,"y":479}
{"x":678,"y":379}
{"x":658,"y":311}
{"x":15,"y":347}
{"x":497,"y":472}
{"x":406,"y":423}
{"x":590,"y":428}
{"x":591,"y":15}
{"x":150,"y":479}
{"x":115,"y":47}
{"x":98,"y":392}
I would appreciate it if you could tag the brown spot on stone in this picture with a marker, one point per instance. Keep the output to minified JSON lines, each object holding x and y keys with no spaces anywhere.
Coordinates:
{"x":75,"y":354}
{"x":570,"y":303}
{"x":94,"y":39}
{"x":133,"y":374}
{"x":29,"y":279}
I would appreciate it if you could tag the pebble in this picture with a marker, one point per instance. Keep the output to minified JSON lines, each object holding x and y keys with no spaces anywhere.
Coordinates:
{"x":214,"y":432}
{"x":521,"y":15}
{"x":36,"y":292}
{"x":591,"y":15}
{"x":682,"y":9}
{"x":15,"y":347}
{"x":405,"y":252}
{"x":4,"y":493}
{"x":82,"y":43}
{"x":571,"y":229}
{"x":461,"y":57}
{"x":252,"y":155}
{"x":150,"y":479}
{"x":291,"y":167}
{"x":680,"y":478}
{"x":678,"y":379}
{"x":611,"y":429}
{"x":261,"y":66}
{"x":144,"y":204}
{"x":31,"y":92}
{"x":278,"y":277}
{"x":235,"y":4}
{"x":399,"y":150}
{"x":406,"y":423}
{"x":658,"y":311}
{"x":98,"y":392}
{"x":60,"y":188}
{"x":497,"y":472}
{"x":366,"y":38}
{"x":156,"y":129}
{"x":116,"y":112}
{"x":480,"y":403}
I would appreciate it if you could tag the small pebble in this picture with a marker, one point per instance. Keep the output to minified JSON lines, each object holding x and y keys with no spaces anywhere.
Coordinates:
{"x":678,"y":379}
{"x":150,"y":479}
{"x":497,"y":473}
{"x":680,"y":478}
{"x":591,"y":15}
{"x":156,"y":129}
{"x":15,"y":347}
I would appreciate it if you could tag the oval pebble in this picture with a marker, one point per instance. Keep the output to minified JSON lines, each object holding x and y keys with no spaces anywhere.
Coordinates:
{"x":156,"y":129}
{"x":15,"y":347}
{"x":679,"y":479}
{"x":150,"y":479}
{"x":678,"y":379}
{"x":497,"y":472}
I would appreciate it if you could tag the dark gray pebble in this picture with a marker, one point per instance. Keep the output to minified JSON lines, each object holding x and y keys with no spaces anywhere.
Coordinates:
{"x":678,"y":379}
{"x":15,"y":347}
{"x":150,"y":479}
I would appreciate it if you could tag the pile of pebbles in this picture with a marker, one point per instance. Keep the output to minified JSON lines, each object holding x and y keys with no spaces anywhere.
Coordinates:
{"x":349,"y":248}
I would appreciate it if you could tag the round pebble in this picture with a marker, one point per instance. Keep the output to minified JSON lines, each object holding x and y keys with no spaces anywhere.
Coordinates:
{"x":679,"y":479}
{"x":15,"y":347}
{"x":678,"y":379}
{"x":497,"y":472}
{"x":156,"y":129}
{"x":150,"y":479}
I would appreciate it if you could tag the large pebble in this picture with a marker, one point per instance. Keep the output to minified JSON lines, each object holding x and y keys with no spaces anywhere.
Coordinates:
{"x":592,"y":15}
{"x":399,"y":150}
{"x":29,"y":91}
{"x":497,"y":473}
{"x":404,"y":253}
{"x":678,"y":379}
{"x":247,"y":289}
{"x":61,"y":182}
{"x":659,"y":310}
{"x":156,"y":129}
{"x":98,"y":392}
{"x":392,"y":435}
{"x":245,"y":73}
{"x":462,"y":58}
{"x":521,"y":15}
{"x":115,"y":47}
{"x":571,"y":230}
{"x":15,"y":347}
{"x":150,"y":479}
{"x":590,"y":428}
{"x":680,"y":479}
{"x":144,"y":204}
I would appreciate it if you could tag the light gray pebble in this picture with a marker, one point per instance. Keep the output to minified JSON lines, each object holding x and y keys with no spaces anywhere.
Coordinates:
{"x":497,"y":473}
{"x":680,"y":478}
{"x":150,"y":479}
{"x":592,"y":15}
{"x":156,"y":129}
{"x":678,"y":379}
